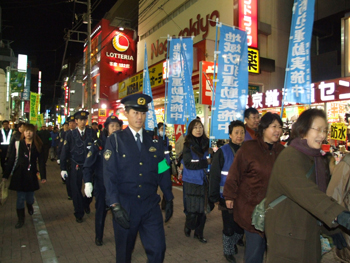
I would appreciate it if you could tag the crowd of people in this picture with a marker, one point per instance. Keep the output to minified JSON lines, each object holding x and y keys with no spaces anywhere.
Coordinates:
{"x":253,"y":167}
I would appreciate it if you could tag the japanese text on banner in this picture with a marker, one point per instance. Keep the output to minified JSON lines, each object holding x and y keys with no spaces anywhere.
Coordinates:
{"x":232,"y":86}
{"x":151,"y":120}
{"x":338,"y":131}
{"x":298,"y":73}
{"x":177,"y":88}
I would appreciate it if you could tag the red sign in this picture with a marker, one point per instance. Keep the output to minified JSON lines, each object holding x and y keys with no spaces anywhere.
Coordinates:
{"x":206,"y":73}
{"x":179,"y":130}
{"x":26,"y":106}
{"x":248,"y":20}
{"x":66,"y":99}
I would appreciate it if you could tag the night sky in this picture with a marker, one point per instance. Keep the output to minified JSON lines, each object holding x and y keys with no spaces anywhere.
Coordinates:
{"x":37,"y":28}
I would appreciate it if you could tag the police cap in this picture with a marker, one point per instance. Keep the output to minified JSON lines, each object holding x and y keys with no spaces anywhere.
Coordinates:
{"x":110,"y":119}
{"x":138,"y":102}
{"x":83,"y":115}
{"x":70,"y":118}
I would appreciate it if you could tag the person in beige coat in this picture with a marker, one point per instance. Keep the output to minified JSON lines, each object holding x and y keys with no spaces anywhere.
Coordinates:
{"x":293,"y":226}
{"x":339,"y":189}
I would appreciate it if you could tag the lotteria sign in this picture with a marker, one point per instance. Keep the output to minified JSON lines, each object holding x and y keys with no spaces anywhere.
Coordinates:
{"x":121,"y":51}
{"x":248,"y":20}
{"x":196,"y":26}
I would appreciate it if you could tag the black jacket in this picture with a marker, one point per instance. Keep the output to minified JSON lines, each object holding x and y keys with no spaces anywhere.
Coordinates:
{"x":199,"y":149}
{"x":24,"y":176}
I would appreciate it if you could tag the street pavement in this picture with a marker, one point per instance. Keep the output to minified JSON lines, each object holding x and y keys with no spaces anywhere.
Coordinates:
{"x":52,"y":234}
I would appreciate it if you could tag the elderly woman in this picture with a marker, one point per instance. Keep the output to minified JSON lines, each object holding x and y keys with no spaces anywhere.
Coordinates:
{"x":92,"y":173}
{"x":292,"y":227}
{"x":22,"y":164}
{"x":247,"y":181}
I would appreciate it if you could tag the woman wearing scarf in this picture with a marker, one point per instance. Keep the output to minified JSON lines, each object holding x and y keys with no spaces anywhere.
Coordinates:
{"x":247,"y":181}
{"x":195,"y":185}
{"x":293,"y":226}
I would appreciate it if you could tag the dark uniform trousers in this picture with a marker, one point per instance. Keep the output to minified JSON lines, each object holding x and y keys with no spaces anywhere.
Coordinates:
{"x":100,"y":205}
{"x":131,"y":178}
{"x":3,"y":155}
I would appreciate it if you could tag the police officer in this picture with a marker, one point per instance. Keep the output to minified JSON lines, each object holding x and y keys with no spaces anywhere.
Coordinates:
{"x":92,"y":172}
{"x":134,"y":166}
{"x":75,"y":147}
{"x":67,"y":127}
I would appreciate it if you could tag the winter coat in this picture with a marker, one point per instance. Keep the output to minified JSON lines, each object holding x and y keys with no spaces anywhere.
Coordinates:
{"x":24,"y":176}
{"x":248,"y":177}
{"x":292,"y":227}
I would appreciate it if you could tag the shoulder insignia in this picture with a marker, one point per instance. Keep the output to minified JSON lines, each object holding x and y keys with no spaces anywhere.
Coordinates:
{"x":107,"y":154}
{"x":89,"y":154}
{"x":152,"y":149}
{"x":65,"y":142}
{"x":89,"y":143}
{"x":61,"y":140}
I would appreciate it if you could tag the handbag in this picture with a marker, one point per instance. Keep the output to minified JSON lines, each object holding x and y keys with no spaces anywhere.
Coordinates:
{"x":258,"y":216}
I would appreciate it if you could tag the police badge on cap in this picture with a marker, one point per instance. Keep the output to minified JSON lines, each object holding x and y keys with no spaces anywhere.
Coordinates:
{"x":138,"y":102}
{"x":71,"y":118}
{"x":83,"y":115}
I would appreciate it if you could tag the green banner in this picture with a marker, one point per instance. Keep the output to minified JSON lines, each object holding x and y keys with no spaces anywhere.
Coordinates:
{"x":40,"y":121}
{"x":34,"y":106}
{"x":17,"y":80}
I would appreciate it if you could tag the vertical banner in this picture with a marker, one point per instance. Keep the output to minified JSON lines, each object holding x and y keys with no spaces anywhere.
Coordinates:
{"x":40,"y":121}
{"x":26,"y":91}
{"x":17,"y":81}
{"x":34,"y":106}
{"x":232,"y":81}
{"x":151,"y":120}
{"x":298,"y":72}
{"x":180,"y":103}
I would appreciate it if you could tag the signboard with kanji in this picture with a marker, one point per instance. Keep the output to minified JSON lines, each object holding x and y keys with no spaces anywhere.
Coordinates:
{"x":338,"y":131}
{"x":253,"y":60}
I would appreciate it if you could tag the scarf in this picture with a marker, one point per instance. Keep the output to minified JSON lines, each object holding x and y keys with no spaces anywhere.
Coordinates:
{"x":302,"y":146}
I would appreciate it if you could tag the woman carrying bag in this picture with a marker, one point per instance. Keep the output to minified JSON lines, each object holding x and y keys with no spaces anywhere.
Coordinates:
{"x":22,"y":164}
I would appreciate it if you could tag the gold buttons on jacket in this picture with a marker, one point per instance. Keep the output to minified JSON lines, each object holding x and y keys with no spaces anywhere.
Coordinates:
{"x":155,"y":156}
{"x":124,"y":155}
{"x":140,"y":174}
{"x":140,"y":186}
{"x":141,"y":163}
{"x":138,"y":196}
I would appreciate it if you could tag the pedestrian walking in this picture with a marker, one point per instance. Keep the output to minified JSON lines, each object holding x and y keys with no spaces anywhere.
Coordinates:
{"x":5,"y":138}
{"x":75,"y":147}
{"x":93,"y":175}
{"x":247,"y":181}
{"x":22,"y":164}
{"x":194,"y":176}
{"x":134,"y":166}
{"x":222,"y":162}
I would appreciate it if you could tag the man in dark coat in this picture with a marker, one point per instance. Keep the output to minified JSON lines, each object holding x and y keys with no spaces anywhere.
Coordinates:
{"x":76,"y":146}
{"x":133,"y":168}
{"x":45,"y":137}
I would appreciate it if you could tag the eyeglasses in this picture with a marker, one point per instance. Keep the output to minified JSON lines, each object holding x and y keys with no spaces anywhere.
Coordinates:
{"x":321,"y":131}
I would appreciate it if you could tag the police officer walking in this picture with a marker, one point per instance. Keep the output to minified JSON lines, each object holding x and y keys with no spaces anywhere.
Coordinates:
{"x":75,"y":147}
{"x":134,"y":167}
{"x":5,"y":139}
{"x":93,"y":177}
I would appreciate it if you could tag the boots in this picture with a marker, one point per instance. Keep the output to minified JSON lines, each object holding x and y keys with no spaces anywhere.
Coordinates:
{"x":30,"y":209}
{"x":229,"y":247}
{"x":20,"y":214}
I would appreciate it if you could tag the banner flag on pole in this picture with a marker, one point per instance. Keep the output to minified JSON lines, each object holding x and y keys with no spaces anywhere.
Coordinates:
{"x":298,"y":72}
{"x":151,"y":120}
{"x":180,"y":80}
{"x":232,"y":81}
{"x":34,"y":106}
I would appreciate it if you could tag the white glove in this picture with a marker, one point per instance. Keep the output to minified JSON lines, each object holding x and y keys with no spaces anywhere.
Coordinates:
{"x":88,"y":190}
{"x":64,"y":175}
{"x":58,"y":161}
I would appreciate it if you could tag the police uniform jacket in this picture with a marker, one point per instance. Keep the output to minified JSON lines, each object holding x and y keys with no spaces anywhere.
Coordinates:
{"x":131,"y":175}
{"x":62,"y":136}
{"x":93,"y":165}
{"x":75,"y":147}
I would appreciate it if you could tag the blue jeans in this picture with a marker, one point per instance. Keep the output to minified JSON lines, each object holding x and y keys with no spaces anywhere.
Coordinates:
{"x":254,"y":248}
{"x":24,"y":196}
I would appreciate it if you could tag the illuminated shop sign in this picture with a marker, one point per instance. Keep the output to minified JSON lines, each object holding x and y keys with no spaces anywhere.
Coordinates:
{"x":324,"y":91}
{"x":248,"y":20}
{"x":197,"y":26}
{"x":253,"y":60}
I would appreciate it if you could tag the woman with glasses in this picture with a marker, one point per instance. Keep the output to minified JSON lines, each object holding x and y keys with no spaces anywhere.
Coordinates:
{"x":22,"y":164}
{"x":293,"y":226}
{"x":195,"y":184}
